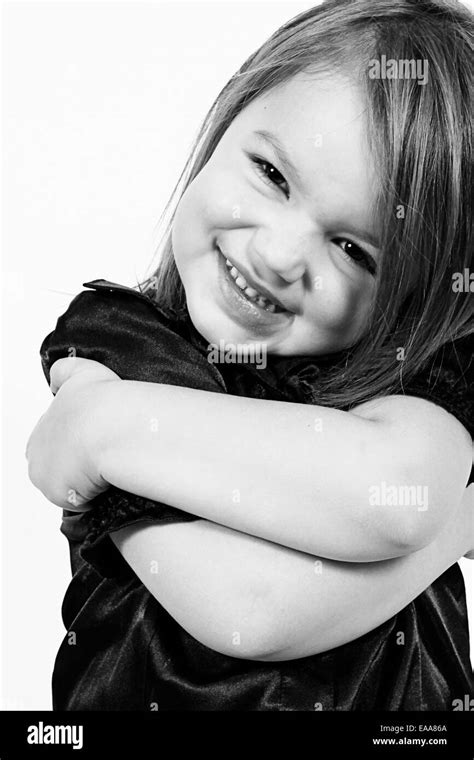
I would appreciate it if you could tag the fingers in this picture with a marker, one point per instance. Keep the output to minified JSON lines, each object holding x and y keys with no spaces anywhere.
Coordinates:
{"x":86,"y":507}
{"x":61,"y":371}
{"x":65,"y":498}
{"x":65,"y":368}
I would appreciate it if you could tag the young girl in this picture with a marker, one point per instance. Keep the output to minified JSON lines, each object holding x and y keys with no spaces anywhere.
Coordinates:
{"x":324,"y":215}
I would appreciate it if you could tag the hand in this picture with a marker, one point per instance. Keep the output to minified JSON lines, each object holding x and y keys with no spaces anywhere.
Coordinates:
{"x":62,"y":449}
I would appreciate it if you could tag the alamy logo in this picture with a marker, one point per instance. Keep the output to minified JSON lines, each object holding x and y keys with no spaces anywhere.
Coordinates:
{"x":463,"y":282}
{"x":237,"y":353}
{"x":42,"y":734}
{"x":399,"y":496}
{"x":403,"y":69}
{"x":463,"y":704}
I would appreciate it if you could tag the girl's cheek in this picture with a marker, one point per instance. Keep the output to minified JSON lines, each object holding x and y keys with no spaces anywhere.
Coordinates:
{"x":185,"y":224}
{"x":192,"y":231}
{"x":225,"y":200}
{"x":340,"y":306}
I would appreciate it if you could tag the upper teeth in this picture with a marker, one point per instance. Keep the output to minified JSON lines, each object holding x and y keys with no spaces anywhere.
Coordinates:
{"x":251,"y":293}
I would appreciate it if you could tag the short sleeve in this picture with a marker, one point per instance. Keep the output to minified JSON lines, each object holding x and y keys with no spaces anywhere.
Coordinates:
{"x":122,"y":329}
{"x":117,"y":509}
{"x":448,"y":381}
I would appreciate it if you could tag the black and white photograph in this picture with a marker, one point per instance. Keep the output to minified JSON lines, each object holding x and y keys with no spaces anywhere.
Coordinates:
{"x":238,"y":373}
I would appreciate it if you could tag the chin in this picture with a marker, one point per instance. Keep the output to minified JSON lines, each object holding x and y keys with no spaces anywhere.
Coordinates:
{"x":207,"y":322}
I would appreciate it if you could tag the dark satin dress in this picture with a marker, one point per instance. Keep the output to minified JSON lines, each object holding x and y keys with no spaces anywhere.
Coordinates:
{"x":123,"y":651}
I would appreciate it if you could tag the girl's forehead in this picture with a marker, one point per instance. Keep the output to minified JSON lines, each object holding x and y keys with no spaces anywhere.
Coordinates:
{"x":313,"y":116}
{"x":301,"y":89}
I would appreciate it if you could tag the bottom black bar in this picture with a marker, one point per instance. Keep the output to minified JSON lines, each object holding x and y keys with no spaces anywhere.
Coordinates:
{"x":154,"y":734}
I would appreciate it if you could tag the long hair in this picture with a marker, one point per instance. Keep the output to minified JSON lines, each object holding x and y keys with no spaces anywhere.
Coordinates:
{"x":421,"y":142}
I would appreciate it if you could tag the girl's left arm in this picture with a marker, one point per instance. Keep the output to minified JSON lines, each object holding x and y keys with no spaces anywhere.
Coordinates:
{"x":364,"y":485}
{"x":246,"y":597}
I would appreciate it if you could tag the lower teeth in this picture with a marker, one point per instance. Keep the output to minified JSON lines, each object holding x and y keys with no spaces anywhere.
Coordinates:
{"x":266,"y":305}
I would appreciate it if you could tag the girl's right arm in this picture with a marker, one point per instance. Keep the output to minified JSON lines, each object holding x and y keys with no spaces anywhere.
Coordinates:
{"x":249,"y":598}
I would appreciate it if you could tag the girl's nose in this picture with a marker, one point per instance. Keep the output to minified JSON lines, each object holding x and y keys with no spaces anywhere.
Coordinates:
{"x":287,"y":259}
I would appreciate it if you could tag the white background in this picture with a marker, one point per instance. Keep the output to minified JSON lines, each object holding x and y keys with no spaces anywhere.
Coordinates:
{"x":101,"y":103}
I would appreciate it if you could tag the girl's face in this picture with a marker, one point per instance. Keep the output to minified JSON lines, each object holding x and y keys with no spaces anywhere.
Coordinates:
{"x":275,"y":239}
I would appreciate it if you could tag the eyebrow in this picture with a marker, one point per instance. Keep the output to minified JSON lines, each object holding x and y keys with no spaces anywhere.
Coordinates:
{"x":285,"y":160}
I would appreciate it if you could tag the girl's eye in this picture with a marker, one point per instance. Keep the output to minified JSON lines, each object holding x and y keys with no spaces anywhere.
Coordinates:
{"x":269,"y":174}
{"x":356,"y":255}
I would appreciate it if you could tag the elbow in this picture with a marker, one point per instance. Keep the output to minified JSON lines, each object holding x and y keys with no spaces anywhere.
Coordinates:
{"x":410,"y":534}
{"x":424,"y":521}
{"x":414,"y":510}
{"x":430,"y":480}
{"x":422,"y":464}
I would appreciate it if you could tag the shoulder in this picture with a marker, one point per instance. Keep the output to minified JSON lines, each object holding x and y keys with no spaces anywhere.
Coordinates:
{"x":103,"y":286}
{"x":432,"y":415}
{"x":109,"y":301}
{"x":447,"y":380}
{"x":452,"y":363}
{"x":107,"y":314}
{"x":130,"y":333}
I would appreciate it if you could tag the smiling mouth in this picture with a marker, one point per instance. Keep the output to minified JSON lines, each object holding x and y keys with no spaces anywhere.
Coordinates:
{"x":250,"y":293}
